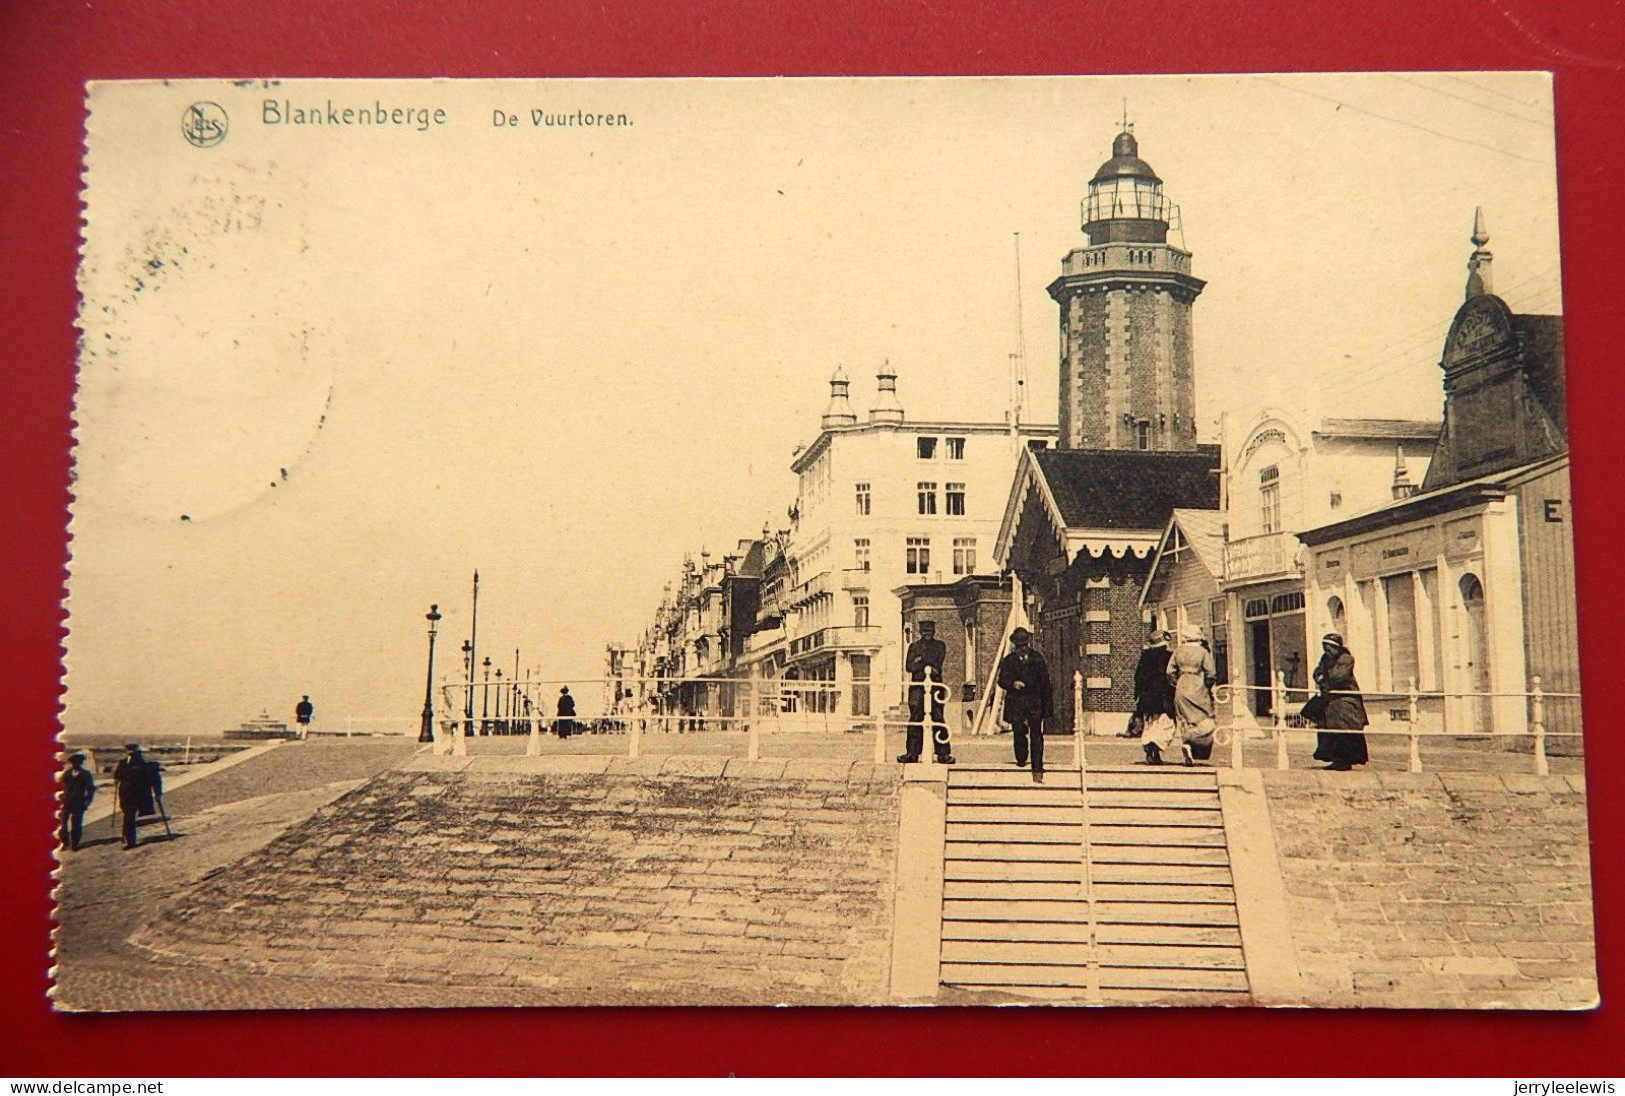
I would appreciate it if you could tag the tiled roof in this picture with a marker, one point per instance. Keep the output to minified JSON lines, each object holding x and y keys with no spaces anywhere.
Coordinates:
{"x":1128,"y":489}
{"x":1398,"y":429}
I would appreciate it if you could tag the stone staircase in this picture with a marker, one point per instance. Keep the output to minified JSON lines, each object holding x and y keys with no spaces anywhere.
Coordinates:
{"x":1117,"y":891}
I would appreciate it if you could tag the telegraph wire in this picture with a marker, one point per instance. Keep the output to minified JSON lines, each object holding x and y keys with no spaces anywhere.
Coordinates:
{"x":1487,"y":90}
{"x":1546,"y":124}
{"x":1402,"y":122}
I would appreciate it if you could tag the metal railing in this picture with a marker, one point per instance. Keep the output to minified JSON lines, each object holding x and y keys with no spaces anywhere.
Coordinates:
{"x":1408,"y":708}
{"x":757,"y":706}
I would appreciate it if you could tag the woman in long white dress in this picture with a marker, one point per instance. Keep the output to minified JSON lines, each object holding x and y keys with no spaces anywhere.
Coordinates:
{"x":1192,"y":672}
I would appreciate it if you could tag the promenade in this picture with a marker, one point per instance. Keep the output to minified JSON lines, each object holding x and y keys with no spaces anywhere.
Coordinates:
{"x":111,"y":900}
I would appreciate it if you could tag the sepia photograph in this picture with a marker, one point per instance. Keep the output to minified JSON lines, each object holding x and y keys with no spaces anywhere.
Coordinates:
{"x":1086,"y":541}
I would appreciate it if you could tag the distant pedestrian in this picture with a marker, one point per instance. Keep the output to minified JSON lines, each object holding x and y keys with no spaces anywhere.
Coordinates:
{"x":1028,"y":702}
{"x":565,"y":724}
{"x":139,"y":786}
{"x":1153,"y":692}
{"x":923,"y":662}
{"x":1340,"y":708}
{"x":301,"y":715}
{"x":78,"y":789}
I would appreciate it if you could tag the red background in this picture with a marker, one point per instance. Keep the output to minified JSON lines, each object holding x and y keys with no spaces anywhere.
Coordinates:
{"x":48,"y":49}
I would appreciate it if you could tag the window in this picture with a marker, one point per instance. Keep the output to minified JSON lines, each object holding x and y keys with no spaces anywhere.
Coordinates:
{"x":860,"y":610}
{"x":1142,"y":433}
{"x":917,"y":555}
{"x":954,"y":503}
{"x":1269,"y":497}
{"x":863,"y":500}
{"x":926,"y":447}
{"x":964,"y":555}
{"x":927,"y":494}
{"x":860,"y":553}
{"x":956,"y":448}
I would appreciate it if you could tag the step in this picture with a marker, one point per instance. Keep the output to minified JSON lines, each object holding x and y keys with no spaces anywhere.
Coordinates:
{"x":1172,"y":798}
{"x":1154,"y":913}
{"x":1012,"y":890}
{"x":1022,"y":833}
{"x":986,"y":909}
{"x":1162,"y":892}
{"x":1169,"y":836}
{"x":959,"y":850}
{"x":1228,"y":936}
{"x":1015,"y":795}
{"x":1001,"y":974}
{"x":1140,"y":978}
{"x":1065,"y":813}
{"x":1163,"y":779}
{"x":1105,"y":873}
{"x":1101,"y":855}
{"x":1021,"y":870}
{"x":1194,"y":815}
{"x":1012,"y":777}
{"x":1027,"y":931}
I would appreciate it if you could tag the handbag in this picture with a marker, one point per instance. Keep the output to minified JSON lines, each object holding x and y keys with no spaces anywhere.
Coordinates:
{"x":1314,"y":712}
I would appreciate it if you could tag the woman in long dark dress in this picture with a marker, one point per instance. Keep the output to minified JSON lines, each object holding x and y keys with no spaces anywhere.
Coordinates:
{"x":1343,"y":708}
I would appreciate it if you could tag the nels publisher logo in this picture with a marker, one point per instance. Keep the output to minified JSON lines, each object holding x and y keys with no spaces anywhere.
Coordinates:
{"x":204,"y":124}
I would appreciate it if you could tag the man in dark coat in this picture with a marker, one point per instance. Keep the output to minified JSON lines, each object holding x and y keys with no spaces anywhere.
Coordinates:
{"x":1342,"y":707}
{"x":1153,"y":693}
{"x":1027,"y":699}
{"x":301,"y":715}
{"x":923,"y":662}
{"x":78,"y":789}
{"x":138,"y":785}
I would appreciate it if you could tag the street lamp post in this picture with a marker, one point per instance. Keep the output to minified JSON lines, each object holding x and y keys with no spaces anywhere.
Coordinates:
{"x":485,"y":699}
{"x":426,"y":733}
{"x":501,"y":725}
{"x":468,"y":696}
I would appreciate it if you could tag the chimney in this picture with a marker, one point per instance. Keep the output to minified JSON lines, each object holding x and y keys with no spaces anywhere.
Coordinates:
{"x":886,"y":408}
{"x":1478,"y":264}
{"x":839,"y":412}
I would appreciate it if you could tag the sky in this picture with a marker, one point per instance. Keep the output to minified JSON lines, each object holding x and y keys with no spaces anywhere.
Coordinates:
{"x":329,"y":371}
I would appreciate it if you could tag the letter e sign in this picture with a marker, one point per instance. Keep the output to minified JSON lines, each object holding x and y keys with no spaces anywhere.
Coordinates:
{"x":1554,"y":510}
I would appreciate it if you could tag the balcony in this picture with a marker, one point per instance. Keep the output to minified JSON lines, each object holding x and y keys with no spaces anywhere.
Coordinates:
{"x":816,"y":586}
{"x":848,"y":637}
{"x":1271,"y":555}
{"x":855,"y":578}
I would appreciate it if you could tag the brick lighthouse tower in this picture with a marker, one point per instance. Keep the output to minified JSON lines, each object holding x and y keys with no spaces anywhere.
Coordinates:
{"x":1127,"y":379}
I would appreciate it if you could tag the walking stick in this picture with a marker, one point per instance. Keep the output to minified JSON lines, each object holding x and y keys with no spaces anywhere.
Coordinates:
{"x":159,"y":798}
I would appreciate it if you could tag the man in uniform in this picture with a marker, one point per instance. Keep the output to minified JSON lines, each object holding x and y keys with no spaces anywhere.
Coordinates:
{"x":923,"y":662}
{"x":1027,"y":702}
{"x":78,"y":789}
{"x":301,"y":714}
{"x":136,"y":780}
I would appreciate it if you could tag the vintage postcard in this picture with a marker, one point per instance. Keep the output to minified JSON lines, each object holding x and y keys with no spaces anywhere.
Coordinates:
{"x":1088,"y":541}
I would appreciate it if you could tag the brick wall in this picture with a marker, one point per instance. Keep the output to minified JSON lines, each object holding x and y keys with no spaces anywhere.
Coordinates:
{"x":658,"y":881}
{"x":1421,"y":890}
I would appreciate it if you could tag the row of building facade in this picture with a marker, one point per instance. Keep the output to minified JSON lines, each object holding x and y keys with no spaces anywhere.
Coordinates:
{"x":1439,"y":549}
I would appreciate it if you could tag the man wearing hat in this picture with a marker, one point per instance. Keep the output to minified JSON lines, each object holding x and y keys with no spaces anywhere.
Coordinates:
{"x":78,"y":789}
{"x":923,"y":662}
{"x":136,"y":782}
{"x":1027,"y":700}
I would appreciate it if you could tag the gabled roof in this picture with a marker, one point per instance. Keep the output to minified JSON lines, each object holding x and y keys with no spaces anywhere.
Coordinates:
{"x":1128,"y":488}
{"x":1203,"y":533}
{"x":1109,"y":499}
